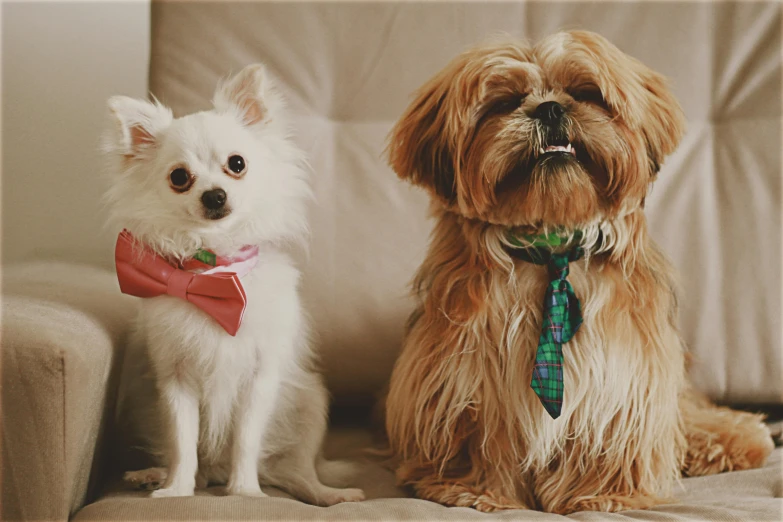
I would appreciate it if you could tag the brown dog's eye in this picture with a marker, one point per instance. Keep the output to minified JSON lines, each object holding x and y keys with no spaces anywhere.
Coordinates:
{"x":180,"y":179}
{"x":506,"y":105}
{"x":236,"y":164}
{"x":593,"y":96}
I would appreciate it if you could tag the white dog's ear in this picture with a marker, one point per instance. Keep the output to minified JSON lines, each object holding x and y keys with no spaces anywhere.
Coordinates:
{"x":250,"y":94}
{"x":138,"y":124}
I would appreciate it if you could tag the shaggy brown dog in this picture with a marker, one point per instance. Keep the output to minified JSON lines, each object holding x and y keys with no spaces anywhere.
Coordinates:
{"x":512,"y":140}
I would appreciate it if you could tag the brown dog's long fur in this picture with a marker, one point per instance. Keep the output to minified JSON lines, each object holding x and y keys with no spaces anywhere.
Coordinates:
{"x":465,"y":427}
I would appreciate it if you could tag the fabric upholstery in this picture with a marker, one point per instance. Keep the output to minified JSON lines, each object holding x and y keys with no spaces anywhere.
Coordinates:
{"x":62,"y":329}
{"x":745,"y":495}
{"x":349,"y":70}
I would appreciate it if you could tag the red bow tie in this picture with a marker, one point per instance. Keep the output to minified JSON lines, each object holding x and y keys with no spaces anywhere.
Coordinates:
{"x":143,"y":273}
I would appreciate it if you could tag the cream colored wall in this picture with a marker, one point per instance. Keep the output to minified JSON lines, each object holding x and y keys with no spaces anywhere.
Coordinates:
{"x":60,"y":63}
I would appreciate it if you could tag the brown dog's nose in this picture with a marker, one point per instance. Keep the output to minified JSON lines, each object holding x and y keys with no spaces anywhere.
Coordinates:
{"x":549,"y":112}
{"x":214,"y":199}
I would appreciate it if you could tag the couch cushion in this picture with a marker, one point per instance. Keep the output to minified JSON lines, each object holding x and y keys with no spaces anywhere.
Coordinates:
{"x":741,"y":495}
{"x":349,"y":70}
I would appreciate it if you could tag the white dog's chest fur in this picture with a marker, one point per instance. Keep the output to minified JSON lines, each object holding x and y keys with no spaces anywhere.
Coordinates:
{"x":186,"y":344}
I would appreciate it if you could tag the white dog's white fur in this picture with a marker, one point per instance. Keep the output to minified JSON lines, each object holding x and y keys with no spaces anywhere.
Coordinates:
{"x":232,"y":409}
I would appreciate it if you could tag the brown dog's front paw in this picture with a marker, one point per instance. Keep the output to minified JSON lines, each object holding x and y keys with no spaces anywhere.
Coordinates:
{"x":608,"y":503}
{"x":489,"y":503}
{"x":458,"y":494}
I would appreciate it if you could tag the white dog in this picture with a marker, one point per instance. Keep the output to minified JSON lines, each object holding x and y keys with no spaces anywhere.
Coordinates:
{"x":231,"y":408}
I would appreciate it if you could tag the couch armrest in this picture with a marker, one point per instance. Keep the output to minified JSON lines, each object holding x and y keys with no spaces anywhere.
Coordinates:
{"x":63,"y":330}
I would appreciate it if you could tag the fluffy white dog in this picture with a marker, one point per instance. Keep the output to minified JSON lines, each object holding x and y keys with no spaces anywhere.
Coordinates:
{"x":228,"y":187}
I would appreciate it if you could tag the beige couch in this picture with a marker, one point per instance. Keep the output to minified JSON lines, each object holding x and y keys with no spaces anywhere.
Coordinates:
{"x":348,"y":70}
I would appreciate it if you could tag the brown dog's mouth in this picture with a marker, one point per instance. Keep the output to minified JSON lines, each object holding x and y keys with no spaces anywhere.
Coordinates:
{"x":568,"y":149}
{"x":563,"y":152}
{"x":558,"y":153}
{"x":556,"y":146}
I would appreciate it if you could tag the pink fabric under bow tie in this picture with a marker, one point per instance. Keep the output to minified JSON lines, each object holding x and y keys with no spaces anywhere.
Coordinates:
{"x":218,"y":292}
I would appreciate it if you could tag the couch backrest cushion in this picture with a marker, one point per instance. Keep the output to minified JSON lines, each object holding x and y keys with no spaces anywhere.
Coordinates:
{"x":349,"y":69}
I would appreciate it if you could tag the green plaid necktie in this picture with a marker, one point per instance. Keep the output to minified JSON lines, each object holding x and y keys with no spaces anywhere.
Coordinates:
{"x":562,"y":318}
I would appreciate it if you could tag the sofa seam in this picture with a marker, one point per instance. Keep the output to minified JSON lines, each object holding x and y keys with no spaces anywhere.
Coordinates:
{"x":66,"y":507}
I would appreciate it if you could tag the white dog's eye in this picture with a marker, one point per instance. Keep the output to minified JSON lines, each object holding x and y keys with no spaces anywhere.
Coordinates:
{"x":180,"y":179}
{"x":236,"y":164}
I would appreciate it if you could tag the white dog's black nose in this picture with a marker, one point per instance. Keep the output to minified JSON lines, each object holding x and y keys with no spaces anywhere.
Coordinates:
{"x":214,"y":199}
{"x":549,"y":112}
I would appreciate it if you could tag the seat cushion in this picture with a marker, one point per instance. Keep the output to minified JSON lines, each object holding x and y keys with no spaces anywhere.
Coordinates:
{"x":349,"y":69}
{"x":740,"y":495}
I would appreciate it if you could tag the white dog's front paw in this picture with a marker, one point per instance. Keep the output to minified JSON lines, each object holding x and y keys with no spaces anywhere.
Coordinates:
{"x":173,"y":491}
{"x":337,"y":496}
{"x":245,"y":490}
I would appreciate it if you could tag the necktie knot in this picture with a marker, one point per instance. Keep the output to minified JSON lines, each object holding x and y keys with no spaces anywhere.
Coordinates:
{"x":558,"y":266}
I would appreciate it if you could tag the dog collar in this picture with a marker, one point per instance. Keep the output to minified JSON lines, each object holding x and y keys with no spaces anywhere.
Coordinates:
{"x":206,"y":261}
{"x":539,"y":248}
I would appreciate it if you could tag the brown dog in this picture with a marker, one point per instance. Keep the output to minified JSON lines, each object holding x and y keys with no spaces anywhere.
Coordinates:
{"x":563,"y":138}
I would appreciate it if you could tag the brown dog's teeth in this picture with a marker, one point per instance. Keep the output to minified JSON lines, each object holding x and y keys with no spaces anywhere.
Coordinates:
{"x":558,"y":148}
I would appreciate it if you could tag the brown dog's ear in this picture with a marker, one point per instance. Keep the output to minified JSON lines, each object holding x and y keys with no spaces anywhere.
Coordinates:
{"x":638,"y":94}
{"x":417,"y":149}
{"x":664,"y":122}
